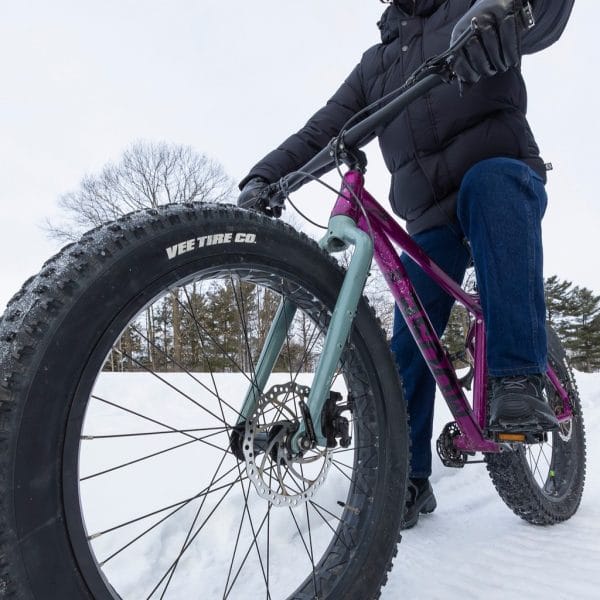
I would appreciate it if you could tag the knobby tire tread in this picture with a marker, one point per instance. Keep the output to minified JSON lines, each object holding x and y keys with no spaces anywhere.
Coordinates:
{"x":511,"y":476}
{"x":44,"y":298}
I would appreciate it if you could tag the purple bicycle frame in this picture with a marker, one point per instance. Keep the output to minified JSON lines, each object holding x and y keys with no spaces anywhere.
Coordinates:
{"x":385,"y":231}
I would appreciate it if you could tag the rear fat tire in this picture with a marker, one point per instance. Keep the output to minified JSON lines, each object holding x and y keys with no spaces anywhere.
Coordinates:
{"x":537,"y":496}
{"x":54,"y":337}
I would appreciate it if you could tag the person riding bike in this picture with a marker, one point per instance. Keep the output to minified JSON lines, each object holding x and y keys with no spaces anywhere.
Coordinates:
{"x":468,"y":179}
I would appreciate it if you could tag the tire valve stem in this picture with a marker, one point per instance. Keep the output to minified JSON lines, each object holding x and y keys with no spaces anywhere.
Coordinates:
{"x":352,"y":509}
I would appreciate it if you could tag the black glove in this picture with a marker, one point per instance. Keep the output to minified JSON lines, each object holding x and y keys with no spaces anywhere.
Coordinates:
{"x":496,"y":46}
{"x":255,"y":195}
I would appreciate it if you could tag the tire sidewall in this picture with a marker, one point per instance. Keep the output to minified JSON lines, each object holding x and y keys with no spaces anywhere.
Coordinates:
{"x":124,"y":274}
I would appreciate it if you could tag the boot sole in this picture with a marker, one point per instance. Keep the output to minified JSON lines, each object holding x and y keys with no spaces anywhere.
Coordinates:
{"x":520,"y":427}
{"x":428,"y":507}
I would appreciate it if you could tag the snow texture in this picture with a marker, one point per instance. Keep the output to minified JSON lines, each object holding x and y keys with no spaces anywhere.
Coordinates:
{"x":472,"y":546}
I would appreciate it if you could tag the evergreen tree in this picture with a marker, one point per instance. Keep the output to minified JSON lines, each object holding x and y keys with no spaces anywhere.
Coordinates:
{"x":583,"y":333}
{"x":195,"y":306}
{"x":459,"y":323}
{"x":221,"y":326}
{"x":560,"y":305}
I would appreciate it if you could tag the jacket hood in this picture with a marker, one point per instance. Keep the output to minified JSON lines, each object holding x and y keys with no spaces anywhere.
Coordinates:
{"x":400,"y":9}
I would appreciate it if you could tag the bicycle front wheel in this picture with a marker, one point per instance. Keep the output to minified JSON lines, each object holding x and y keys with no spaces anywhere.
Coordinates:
{"x":127,"y":362}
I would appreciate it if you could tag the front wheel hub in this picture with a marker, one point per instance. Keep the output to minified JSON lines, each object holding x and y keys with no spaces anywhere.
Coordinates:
{"x":279,"y":476}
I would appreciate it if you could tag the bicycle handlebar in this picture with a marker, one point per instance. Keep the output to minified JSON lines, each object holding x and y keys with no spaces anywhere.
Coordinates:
{"x":354,"y":138}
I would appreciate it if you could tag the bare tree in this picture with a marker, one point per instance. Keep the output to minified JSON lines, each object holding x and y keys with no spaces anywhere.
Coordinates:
{"x":148,"y":174}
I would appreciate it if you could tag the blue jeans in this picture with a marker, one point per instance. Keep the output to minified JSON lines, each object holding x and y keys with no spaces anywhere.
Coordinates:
{"x":501,"y":203}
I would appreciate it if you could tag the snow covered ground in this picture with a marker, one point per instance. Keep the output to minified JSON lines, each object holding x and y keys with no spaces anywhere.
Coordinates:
{"x":473,"y":546}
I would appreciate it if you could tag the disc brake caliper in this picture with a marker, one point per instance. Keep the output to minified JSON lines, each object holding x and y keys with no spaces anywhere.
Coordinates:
{"x":334,"y":425}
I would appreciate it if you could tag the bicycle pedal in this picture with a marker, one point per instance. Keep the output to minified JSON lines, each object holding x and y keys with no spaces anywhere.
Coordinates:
{"x":533,"y":437}
{"x":511,"y":437}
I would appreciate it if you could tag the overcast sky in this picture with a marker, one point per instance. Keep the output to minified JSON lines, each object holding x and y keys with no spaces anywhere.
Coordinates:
{"x":81,"y":80}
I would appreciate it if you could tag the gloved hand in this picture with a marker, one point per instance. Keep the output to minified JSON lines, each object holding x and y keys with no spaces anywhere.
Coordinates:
{"x":495,"y":47}
{"x":255,"y":195}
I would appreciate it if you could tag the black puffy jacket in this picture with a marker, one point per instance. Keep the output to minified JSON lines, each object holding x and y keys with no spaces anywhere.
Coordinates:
{"x":432,"y":144}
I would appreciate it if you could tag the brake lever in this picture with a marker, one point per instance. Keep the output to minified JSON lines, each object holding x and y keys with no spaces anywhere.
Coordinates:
{"x":463,"y":40}
{"x":273,"y":200}
{"x":527,"y":21}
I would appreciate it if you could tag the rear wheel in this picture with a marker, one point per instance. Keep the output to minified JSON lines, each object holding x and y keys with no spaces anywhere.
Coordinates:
{"x":543,"y":483}
{"x":128,"y":359}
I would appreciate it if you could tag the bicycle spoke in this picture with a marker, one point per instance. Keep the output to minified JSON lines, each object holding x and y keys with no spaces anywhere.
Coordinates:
{"x":336,"y":517}
{"x":309,"y":347}
{"x":227,"y":355}
{"x":269,"y":539}
{"x":312,"y":556}
{"x":158,"y":511}
{"x":191,"y":528}
{"x":353,"y":449}
{"x":245,"y":557}
{"x":535,"y":467}
{"x":170,"y":385}
{"x":240,"y":304}
{"x":328,"y":524}
{"x":141,"y":416}
{"x":146,"y":433}
{"x":166,"y":574}
{"x":298,"y":488}
{"x":245,"y":511}
{"x":186,"y":371}
{"x":348,"y":478}
{"x":149,"y":529}
{"x":205,"y":356}
{"x":545,"y":457}
{"x":339,"y":462}
{"x":308,"y":552}
{"x":235,"y":547}
{"x":153,"y":455}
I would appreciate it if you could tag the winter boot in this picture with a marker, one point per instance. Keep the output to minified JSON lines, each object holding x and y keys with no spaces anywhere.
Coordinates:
{"x":517,"y":404}
{"x":419,"y":500}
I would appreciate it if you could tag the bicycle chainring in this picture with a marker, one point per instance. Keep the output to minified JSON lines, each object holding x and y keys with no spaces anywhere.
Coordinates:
{"x":449,"y":454}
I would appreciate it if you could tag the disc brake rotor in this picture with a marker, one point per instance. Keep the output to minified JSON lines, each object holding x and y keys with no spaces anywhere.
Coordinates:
{"x":278,"y":476}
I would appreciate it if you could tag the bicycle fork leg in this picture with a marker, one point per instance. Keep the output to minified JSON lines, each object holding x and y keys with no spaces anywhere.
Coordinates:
{"x":268,"y":356}
{"x":342,"y":233}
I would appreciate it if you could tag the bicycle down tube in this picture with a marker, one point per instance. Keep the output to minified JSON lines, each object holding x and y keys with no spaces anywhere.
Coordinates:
{"x":384,"y":230}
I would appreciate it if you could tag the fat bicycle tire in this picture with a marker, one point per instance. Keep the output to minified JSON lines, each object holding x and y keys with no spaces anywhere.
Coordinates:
{"x":543,"y":483}
{"x":56,"y":337}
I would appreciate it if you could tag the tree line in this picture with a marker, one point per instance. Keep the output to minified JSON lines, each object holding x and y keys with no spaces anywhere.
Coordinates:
{"x":222,"y":325}
{"x":572,"y":311}
{"x":201,"y":327}
{"x":215,"y":326}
